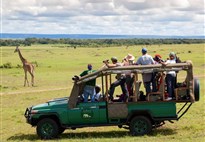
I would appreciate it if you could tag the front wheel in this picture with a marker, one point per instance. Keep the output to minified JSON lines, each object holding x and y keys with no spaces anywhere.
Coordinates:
{"x":47,"y":129}
{"x":61,"y":130}
{"x":140,"y":125}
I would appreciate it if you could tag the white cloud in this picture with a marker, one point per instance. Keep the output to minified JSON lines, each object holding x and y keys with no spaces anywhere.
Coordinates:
{"x":161,"y":17}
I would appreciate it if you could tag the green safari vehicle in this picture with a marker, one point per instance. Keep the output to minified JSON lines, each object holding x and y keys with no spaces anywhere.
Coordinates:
{"x":137,"y":115}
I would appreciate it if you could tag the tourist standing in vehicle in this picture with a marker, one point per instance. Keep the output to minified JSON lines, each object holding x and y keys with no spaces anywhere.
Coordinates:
{"x":127,"y":61}
{"x":170,"y":77}
{"x":158,"y":59}
{"x":89,"y":89}
{"x":156,"y":75}
{"x":121,"y":80}
{"x":146,"y":59}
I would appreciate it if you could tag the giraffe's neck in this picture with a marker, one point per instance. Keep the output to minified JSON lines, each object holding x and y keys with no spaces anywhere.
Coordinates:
{"x":23,"y":60}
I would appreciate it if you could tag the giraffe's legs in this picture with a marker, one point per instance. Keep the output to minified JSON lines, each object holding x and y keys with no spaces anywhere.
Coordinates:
{"x":26,"y":79}
{"x":32,"y":78}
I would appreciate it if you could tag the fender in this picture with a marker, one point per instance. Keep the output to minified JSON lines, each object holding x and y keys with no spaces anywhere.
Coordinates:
{"x":139,"y":112}
{"x":51,"y":115}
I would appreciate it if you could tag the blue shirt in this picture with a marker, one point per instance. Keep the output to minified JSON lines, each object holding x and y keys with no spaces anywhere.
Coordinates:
{"x":145,"y":60}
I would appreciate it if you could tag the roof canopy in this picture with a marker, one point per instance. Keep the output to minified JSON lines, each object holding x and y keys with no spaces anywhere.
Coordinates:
{"x":136,"y":69}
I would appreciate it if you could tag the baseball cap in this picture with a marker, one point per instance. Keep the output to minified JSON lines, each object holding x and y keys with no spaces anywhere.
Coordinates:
{"x":172,"y":54}
{"x":114,"y":58}
{"x":144,"y":50}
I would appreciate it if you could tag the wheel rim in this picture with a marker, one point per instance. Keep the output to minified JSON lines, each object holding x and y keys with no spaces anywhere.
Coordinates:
{"x":47,"y":129}
{"x":140,"y":127}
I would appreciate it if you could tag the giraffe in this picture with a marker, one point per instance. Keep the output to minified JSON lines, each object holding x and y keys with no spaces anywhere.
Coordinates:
{"x":28,"y":67}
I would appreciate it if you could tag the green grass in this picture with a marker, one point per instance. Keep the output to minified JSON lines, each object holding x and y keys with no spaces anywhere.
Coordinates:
{"x":58,"y":65}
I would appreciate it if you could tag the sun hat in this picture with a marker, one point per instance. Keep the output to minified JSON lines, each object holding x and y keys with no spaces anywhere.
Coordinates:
{"x":130,"y":57}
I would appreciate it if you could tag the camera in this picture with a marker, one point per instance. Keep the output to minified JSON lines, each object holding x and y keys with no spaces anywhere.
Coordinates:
{"x":158,"y":59}
{"x":75,"y":78}
{"x":106,"y":61}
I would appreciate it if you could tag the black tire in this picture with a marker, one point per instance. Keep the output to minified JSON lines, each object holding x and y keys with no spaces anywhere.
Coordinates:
{"x":47,"y":128}
{"x":196,"y":89}
{"x":140,"y":125}
{"x":61,"y":130}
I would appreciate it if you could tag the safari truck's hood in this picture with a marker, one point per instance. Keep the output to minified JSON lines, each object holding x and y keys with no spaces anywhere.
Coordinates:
{"x":52,"y":104}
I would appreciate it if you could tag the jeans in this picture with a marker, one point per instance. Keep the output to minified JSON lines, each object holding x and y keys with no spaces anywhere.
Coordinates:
{"x":147,"y":79}
{"x":89,"y":91}
{"x":154,"y":82}
{"x":170,"y":80}
{"x":122,"y":83}
{"x":129,"y":83}
{"x":147,"y":86}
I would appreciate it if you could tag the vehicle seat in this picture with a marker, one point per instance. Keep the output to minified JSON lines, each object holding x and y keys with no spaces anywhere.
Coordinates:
{"x":136,"y":93}
{"x":161,"y":90}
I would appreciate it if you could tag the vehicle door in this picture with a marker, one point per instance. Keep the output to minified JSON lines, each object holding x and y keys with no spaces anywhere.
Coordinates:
{"x":88,"y":113}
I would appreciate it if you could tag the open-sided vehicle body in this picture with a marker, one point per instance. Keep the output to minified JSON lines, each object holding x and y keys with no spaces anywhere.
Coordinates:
{"x":139,"y":116}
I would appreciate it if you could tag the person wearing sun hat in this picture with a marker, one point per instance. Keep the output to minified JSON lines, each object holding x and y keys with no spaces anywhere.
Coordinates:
{"x":129,"y":59}
{"x":170,"y":76}
{"x":146,"y":59}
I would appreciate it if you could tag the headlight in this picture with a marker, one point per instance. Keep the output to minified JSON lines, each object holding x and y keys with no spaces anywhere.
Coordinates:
{"x":34,"y":111}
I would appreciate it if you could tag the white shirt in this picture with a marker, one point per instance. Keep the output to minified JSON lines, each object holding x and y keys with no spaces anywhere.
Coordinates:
{"x":171,"y":62}
{"x":97,"y":96}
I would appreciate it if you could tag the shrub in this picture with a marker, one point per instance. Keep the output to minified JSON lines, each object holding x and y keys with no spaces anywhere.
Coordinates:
{"x":6,"y":65}
{"x":19,"y":66}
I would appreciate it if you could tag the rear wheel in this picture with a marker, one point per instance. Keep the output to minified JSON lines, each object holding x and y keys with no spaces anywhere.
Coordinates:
{"x":140,"y":125}
{"x":47,"y":128}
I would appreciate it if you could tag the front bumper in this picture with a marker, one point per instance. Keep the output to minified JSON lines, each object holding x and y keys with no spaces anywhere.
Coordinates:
{"x":27,"y":115}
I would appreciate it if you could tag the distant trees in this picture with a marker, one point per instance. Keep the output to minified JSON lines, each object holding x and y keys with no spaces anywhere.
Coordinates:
{"x":97,"y":42}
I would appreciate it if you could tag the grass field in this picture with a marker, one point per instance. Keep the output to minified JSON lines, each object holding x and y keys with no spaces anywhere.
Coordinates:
{"x":57,"y":64}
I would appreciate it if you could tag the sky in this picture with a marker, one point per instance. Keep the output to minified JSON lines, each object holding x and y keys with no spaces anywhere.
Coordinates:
{"x":112,"y":17}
